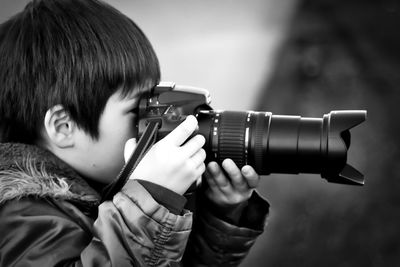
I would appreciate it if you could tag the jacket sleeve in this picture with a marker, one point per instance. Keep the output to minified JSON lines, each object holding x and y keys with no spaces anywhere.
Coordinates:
{"x":215,"y":242}
{"x":132,"y":230}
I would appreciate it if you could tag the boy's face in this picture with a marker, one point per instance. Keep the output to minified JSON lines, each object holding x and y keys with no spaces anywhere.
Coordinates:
{"x":102,"y":159}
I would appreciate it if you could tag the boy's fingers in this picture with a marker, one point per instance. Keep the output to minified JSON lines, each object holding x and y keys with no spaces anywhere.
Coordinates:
{"x":130,"y":146}
{"x":234,"y":173}
{"x":198,"y":158}
{"x":252,"y":177}
{"x":193,"y":145}
{"x":209,"y":179}
{"x":219,"y":177}
{"x":179,"y":135}
{"x":211,"y":172}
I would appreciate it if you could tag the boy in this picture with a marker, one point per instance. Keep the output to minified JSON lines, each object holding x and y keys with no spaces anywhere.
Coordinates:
{"x":71,"y":75}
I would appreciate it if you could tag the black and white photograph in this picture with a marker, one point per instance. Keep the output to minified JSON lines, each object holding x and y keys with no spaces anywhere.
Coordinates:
{"x":199,"y":133}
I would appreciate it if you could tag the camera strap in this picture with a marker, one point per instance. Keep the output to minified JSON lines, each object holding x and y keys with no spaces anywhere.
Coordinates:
{"x":146,"y":141}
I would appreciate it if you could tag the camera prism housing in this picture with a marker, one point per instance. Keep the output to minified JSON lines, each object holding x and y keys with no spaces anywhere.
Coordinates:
{"x":270,"y":143}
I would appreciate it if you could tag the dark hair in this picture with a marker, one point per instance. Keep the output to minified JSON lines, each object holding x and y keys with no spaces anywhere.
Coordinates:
{"x":76,"y":53}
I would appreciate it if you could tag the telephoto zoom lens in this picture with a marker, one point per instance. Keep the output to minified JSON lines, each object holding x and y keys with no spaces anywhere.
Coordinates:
{"x":283,"y":144}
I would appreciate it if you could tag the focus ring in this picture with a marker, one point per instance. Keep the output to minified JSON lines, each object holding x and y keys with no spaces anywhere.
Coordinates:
{"x":231,"y":141}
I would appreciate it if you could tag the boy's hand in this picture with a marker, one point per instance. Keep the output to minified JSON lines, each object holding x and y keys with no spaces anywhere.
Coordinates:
{"x":169,"y":163}
{"x":234,"y":189}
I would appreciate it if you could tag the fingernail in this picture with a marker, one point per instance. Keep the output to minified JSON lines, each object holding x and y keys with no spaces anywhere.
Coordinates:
{"x":212,"y":167}
{"x":247,"y":170}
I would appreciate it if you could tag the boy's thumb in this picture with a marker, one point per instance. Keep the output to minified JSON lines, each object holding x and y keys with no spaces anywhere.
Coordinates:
{"x":130,"y":146}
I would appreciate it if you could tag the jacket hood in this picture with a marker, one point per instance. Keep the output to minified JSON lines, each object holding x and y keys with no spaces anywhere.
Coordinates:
{"x":29,"y":171}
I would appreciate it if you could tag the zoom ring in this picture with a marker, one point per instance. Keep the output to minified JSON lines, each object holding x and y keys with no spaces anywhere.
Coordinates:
{"x":231,"y":141}
{"x":259,"y":132}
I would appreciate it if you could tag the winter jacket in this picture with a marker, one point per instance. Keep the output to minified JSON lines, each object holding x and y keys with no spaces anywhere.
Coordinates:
{"x":50,"y":216}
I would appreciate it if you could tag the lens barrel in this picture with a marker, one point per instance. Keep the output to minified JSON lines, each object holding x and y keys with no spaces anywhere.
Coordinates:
{"x":283,"y":144}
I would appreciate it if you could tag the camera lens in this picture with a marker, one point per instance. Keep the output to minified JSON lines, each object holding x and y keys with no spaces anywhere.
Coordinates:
{"x":282,"y":144}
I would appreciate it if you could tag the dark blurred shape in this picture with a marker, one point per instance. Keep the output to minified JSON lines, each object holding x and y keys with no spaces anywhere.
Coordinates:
{"x":339,"y":55}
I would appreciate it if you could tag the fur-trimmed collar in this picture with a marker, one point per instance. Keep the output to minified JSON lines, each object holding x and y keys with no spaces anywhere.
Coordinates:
{"x":28,"y":171}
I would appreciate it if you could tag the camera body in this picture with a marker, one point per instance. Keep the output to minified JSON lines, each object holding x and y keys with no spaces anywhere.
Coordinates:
{"x":170,"y":105}
{"x":270,"y":143}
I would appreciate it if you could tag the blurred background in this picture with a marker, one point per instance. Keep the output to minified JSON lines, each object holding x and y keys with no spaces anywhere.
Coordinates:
{"x":297,"y":57}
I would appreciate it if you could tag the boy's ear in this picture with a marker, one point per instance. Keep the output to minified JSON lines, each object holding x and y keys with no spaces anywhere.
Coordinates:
{"x":59,"y":127}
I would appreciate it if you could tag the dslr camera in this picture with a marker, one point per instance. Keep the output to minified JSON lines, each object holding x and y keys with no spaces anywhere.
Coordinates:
{"x":270,"y":143}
